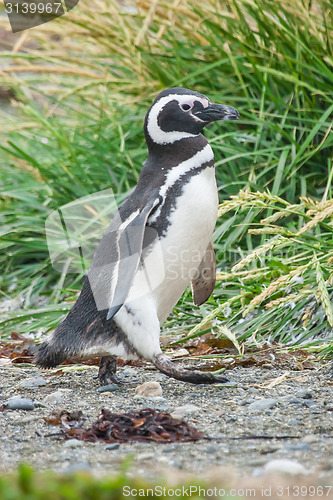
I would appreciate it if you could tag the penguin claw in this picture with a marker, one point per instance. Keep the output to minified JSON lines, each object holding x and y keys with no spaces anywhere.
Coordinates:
{"x":111,"y":379}
{"x":107,"y":371}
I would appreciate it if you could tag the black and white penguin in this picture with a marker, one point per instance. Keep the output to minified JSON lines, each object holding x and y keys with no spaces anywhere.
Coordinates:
{"x":156,"y":245}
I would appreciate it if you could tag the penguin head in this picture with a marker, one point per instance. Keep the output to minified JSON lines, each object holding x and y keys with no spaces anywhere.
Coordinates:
{"x":179,"y":113}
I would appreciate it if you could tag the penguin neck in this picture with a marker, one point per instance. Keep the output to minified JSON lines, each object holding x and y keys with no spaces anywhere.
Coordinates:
{"x":175,"y":152}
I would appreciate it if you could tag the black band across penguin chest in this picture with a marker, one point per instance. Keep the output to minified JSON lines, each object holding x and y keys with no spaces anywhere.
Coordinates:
{"x":169,"y":169}
{"x":160,"y":219}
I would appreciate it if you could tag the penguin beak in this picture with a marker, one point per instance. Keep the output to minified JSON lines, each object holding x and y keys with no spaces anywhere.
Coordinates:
{"x":216,"y":112}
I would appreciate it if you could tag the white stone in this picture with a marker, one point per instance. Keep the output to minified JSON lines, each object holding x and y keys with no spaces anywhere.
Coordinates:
{"x":310,"y":438}
{"x":182,"y":411}
{"x":285,"y":466}
{"x":149,"y":390}
{"x":261,"y":405}
{"x":56,"y":397}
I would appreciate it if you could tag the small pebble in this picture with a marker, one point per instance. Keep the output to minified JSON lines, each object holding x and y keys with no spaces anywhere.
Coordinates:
{"x":285,"y":466}
{"x":149,"y":390}
{"x":158,"y":399}
{"x":29,"y":420}
{"x":327,"y":466}
{"x":17,"y":403}
{"x":6,"y":362}
{"x":176,"y":464}
{"x":77,"y":467}
{"x":128,"y":372}
{"x":228,"y":361}
{"x":56,"y":397}
{"x":253,"y":390}
{"x":258,"y":461}
{"x":73,"y":443}
{"x":247,"y":402}
{"x":169,"y":448}
{"x":310,"y":438}
{"x":112,"y":446}
{"x":261,"y":405}
{"x":293,"y":422}
{"x":304,"y":394}
{"x":182,"y":411}
{"x":298,"y":446}
{"x":295,"y":401}
{"x":285,"y":399}
{"x":211,"y":449}
{"x":108,"y":388}
{"x":33,"y":383}
{"x":309,"y":403}
{"x":145,"y":456}
{"x":158,"y":403}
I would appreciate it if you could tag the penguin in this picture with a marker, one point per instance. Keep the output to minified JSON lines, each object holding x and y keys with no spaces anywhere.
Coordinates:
{"x":159,"y":241}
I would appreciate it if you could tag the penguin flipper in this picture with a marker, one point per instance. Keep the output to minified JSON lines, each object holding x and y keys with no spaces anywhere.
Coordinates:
{"x":129,"y":245}
{"x":203,"y":282}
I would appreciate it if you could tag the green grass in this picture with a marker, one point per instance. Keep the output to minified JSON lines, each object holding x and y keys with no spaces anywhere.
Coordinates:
{"x":28,"y":484}
{"x":82,"y":88}
{"x":281,"y":287}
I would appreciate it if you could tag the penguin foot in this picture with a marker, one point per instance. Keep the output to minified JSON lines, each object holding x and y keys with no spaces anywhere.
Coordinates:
{"x":107,"y":371}
{"x":166,"y":366}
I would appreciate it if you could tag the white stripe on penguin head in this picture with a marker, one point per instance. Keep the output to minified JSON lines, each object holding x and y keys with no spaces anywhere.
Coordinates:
{"x":154,"y":130}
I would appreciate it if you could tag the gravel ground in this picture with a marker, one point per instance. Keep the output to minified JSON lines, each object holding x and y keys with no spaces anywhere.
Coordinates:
{"x":271,"y":415}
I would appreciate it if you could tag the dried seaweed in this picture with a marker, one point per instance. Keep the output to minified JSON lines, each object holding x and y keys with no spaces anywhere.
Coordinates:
{"x":142,"y":425}
{"x":65,"y":418}
{"x":19,"y":349}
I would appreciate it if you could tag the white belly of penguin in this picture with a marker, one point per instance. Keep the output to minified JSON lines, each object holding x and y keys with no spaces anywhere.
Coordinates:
{"x":171,"y":263}
{"x":192,"y":224}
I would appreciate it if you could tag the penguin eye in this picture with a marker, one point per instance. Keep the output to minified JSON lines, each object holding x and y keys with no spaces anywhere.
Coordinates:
{"x":186,"y":106}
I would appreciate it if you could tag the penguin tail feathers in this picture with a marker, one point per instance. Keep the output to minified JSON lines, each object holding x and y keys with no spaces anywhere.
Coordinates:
{"x":48,"y":356}
{"x":166,"y":366}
